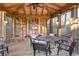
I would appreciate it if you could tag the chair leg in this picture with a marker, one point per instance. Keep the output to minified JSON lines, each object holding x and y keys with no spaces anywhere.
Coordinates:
{"x":58,"y":52}
{"x":38,"y":51}
{"x":2,"y":53}
{"x":56,"y":42}
{"x":31,"y":42}
{"x":70,"y":53}
{"x":49,"y":50}
{"x":7,"y":50}
{"x":34,"y":52}
{"x":46,"y":53}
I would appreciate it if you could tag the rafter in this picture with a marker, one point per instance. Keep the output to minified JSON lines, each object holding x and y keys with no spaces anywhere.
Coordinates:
{"x":42,"y":11}
{"x":44,"y":7}
{"x":65,"y":8}
{"x":30,"y":10}
{"x":24,"y":8}
{"x":50,"y":7}
{"x":20,"y":6}
{"x":11,"y":6}
{"x":36,"y":10}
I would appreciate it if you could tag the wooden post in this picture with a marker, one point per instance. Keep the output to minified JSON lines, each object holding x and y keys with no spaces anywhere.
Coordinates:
{"x":39,"y":25}
{"x":2,"y":26}
{"x":14,"y":26}
{"x":74,"y":26}
{"x":59,"y":25}
{"x":27,"y":26}
{"x":51,"y":25}
{"x":74,"y":17}
{"x":21,"y":27}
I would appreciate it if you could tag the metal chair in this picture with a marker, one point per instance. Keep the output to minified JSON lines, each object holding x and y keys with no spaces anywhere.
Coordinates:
{"x":64,"y":45}
{"x":45,"y":47}
{"x":3,"y":49}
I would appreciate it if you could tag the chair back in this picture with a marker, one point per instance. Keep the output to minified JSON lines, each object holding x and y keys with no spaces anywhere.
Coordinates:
{"x":72,"y":46}
{"x":40,"y":45}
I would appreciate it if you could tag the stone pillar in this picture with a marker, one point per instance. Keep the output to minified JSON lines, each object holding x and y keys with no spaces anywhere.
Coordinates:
{"x":59,"y":25}
{"x":14,"y":26}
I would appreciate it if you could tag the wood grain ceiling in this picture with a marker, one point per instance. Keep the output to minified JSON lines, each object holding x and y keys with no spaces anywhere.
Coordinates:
{"x":25,"y":10}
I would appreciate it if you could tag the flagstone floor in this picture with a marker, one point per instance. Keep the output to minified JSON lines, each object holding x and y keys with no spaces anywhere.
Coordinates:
{"x":25,"y":49}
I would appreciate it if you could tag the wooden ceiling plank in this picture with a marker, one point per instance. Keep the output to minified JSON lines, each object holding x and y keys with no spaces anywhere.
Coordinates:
{"x":54,"y":4}
{"x":65,"y":8}
{"x":11,"y":6}
{"x":46,"y":9}
{"x":50,"y":7}
{"x":20,"y":6}
{"x":42,"y":11}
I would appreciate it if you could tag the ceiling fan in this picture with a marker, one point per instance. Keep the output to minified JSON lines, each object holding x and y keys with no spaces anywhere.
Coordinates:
{"x":35,"y":5}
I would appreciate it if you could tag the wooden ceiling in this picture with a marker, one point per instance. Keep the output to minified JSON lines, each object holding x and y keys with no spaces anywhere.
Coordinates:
{"x":25,"y":10}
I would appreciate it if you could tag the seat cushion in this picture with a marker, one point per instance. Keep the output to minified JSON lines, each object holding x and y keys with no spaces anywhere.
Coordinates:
{"x":40,"y":42}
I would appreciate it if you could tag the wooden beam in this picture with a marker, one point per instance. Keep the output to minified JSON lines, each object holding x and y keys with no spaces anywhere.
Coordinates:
{"x":65,"y":8}
{"x":50,"y":7}
{"x":24,"y":9}
{"x":54,"y":4}
{"x":20,"y":6}
{"x":30,"y":10}
{"x":42,"y":11}
{"x":11,"y":6}
{"x":36,"y":10}
{"x":45,"y":8}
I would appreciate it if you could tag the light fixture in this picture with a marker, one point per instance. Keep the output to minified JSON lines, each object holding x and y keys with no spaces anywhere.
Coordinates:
{"x":5,"y":22}
{"x":67,"y":23}
{"x":75,"y":21}
{"x":71,"y":21}
{"x":57,"y":22}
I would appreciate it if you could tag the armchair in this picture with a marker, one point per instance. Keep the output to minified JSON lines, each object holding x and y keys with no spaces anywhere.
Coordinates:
{"x":41,"y":46}
{"x":67,"y":46}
